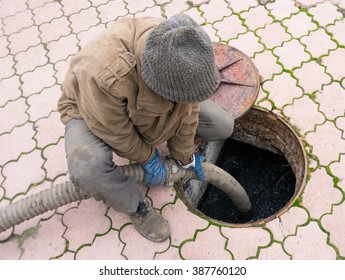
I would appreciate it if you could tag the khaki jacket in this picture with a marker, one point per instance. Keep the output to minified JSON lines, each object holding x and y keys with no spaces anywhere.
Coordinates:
{"x":104,"y":87}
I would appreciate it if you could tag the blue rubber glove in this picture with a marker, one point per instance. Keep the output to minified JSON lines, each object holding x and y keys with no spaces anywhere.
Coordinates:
{"x":155,"y":173}
{"x":196,"y":165}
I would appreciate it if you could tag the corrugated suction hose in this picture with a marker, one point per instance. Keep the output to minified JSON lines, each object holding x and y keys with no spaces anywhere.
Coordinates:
{"x":65,"y":193}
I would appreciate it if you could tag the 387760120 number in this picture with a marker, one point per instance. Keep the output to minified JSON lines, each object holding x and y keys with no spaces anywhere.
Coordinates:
{"x":214,"y":270}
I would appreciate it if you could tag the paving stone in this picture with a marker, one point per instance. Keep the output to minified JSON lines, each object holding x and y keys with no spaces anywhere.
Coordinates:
{"x":52,"y":31}
{"x":17,"y":22}
{"x":299,"y":25}
{"x":9,"y":90}
{"x":71,"y":7}
{"x":6,"y":70}
{"x":334,"y":63}
{"x":281,"y":9}
{"x":256,"y":17}
{"x":112,"y":10}
{"x":215,"y":10}
{"x":84,"y":20}
{"x":196,"y":250}
{"x":96,"y":3}
{"x":47,"y":12}
{"x":273,"y":35}
{"x":332,"y":101}
{"x":41,"y":105}
{"x":106,"y":247}
{"x":211,"y":32}
{"x":273,"y":252}
{"x":195,"y":14}
{"x":118,"y":219}
{"x":309,"y":3}
{"x":26,"y":38}
{"x":174,"y":7}
{"x":303,"y":247}
{"x":338,"y":31}
{"x":78,"y":220}
{"x":325,"y":13}
{"x":185,"y":228}
{"x":61,"y":68}
{"x":161,"y":196}
{"x":171,"y":254}
{"x":152,"y":12}
{"x":247,"y":43}
{"x":337,"y":168}
{"x":10,"y":7}
{"x":291,"y":54}
{"x":304,"y":114}
{"x":282,"y":89}
{"x":286,"y":224}
{"x":40,"y":78}
{"x":227,"y":33}
{"x":327,"y":143}
{"x":245,"y":242}
{"x":243,"y":5}
{"x":49,"y":130}
{"x":67,"y":256}
{"x":340,"y":3}
{"x":266,"y":64}
{"x":17,"y":142}
{"x":56,"y":163}
{"x":85,"y":36}
{"x":311,"y":76}
{"x":32,"y":4}
{"x":135,"y":6}
{"x":14,"y":114}
{"x":30,"y":59}
{"x":47,"y":243}
{"x":10,"y":250}
{"x":3,"y":46}
{"x":333,"y":223}
{"x":64,"y":47}
{"x":318,"y":43}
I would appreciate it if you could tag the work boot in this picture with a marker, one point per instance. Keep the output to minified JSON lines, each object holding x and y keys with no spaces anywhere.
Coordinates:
{"x":149,"y":223}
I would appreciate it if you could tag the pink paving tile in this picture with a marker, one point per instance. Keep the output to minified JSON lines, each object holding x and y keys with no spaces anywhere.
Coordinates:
{"x":84,"y":20}
{"x":6,"y":70}
{"x":68,"y":256}
{"x":332,"y":101}
{"x":42,"y":104}
{"x":171,"y":254}
{"x":22,"y":173}
{"x":304,"y":113}
{"x":56,"y":163}
{"x":10,"y":250}
{"x":312,"y":76}
{"x":256,"y":17}
{"x":135,"y":6}
{"x":175,"y":7}
{"x":273,"y":252}
{"x":14,"y":114}
{"x":47,"y":242}
{"x":26,"y":38}
{"x":287,"y":223}
{"x":47,"y":12}
{"x":309,"y":3}
{"x":267,"y":64}
{"x":71,"y":7}
{"x":334,"y":63}
{"x":61,"y":68}
{"x":139,"y":248}
{"x":62,"y":48}
{"x":9,"y":7}
{"x":182,"y":228}
{"x":9,"y":90}
{"x":37,"y":3}
{"x":325,"y":13}
{"x":291,"y":54}
{"x":112,"y":10}
{"x":17,"y":22}
{"x":211,"y":32}
{"x":334,"y":224}
{"x":118,"y":219}
{"x":208,"y":244}
{"x":340,"y":124}
{"x":17,"y":142}
{"x":30,"y":59}
{"x":226,"y":33}
{"x":338,"y":30}
{"x":41,"y":77}
{"x":195,"y":14}
{"x":215,"y":10}
{"x":3,"y":46}
{"x":247,"y":43}
{"x":299,"y":25}
{"x":240,"y":6}
{"x":281,"y":9}
{"x":161,"y":196}
{"x":282,"y":89}
{"x":106,"y":247}
{"x":318,"y":43}
{"x":49,"y":130}
{"x":155,"y":11}
{"x":53,"y":30}
{"x":337,"y":168}
{"x":245,"y":242}
{"x":78,"y":221}
{"x":273,"y":35}
{"x":302,"y":247}
{"x":327,"y":143}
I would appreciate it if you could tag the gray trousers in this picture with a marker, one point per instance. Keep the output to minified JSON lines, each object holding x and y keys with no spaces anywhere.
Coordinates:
{"x":91,"y":166}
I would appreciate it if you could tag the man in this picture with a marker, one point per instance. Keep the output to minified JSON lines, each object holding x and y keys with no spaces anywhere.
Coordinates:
{"x":140,"y":83}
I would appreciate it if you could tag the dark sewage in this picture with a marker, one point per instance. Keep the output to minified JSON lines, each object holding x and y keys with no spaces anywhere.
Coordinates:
{"x":267,"y":177}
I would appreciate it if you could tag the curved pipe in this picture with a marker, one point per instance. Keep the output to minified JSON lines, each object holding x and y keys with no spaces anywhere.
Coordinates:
{"x":65,"y":193}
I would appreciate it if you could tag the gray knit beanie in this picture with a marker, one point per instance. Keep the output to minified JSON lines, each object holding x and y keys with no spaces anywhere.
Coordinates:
{"x":178,"y":61}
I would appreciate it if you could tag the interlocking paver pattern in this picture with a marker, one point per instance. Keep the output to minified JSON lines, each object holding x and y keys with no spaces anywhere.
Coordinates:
{"x":298,"y":48}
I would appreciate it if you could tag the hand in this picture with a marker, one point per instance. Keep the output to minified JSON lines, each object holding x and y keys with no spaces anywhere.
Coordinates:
{"x":195,"y":164}
{"x":155,"y":173}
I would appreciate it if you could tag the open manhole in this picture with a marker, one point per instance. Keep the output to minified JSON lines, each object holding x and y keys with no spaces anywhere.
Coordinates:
{"x":266,"y":156}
